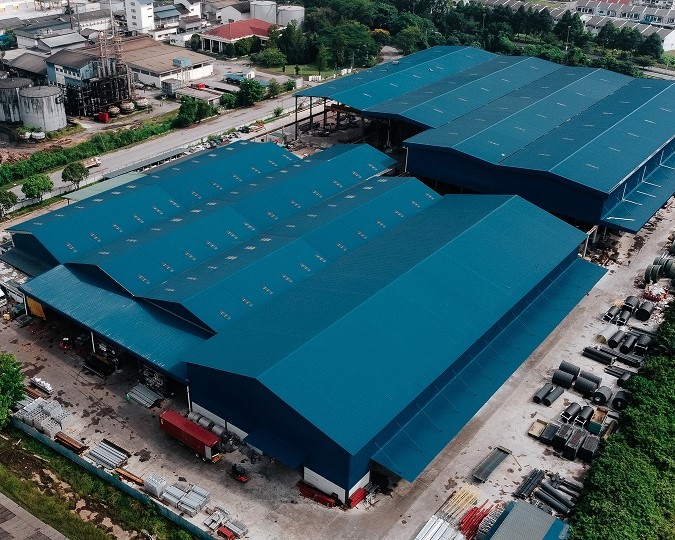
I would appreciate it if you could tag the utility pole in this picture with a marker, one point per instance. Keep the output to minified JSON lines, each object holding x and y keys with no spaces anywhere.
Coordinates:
{"x":567,"y":42}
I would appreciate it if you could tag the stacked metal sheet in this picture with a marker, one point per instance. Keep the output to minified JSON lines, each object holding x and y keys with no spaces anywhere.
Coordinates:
{"x":216,"y":518}
{"x":154,"y":485}
{"x":172,"y":495}
{"x":237,"y":527}
{"x":143,"y":395}
{"x":194,"y":500}
{"x":27,"y":400}
{"x":107,"y":456}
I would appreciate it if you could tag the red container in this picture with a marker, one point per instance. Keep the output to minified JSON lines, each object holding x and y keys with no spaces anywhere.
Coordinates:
{"x":199,"y":86}
{"x":103,"y":117}
{"x":226,"y":533}
{"x":193,"y":435}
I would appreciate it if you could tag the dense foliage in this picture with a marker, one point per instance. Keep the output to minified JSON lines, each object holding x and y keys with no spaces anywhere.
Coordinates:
{"x":36,"y":186}
{"x":630,"y":489}
{"x":343,"y":33}
{"x":193,"y":110}
{"x":7,"y":200}
{"x":98,"y":144}
{"x":11,"y":385}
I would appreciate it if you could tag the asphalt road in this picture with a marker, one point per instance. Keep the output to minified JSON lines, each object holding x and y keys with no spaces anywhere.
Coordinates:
{"x":183,"y":137}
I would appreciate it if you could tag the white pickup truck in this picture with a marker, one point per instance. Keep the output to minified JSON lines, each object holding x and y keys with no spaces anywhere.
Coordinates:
{"x":92,"y":162}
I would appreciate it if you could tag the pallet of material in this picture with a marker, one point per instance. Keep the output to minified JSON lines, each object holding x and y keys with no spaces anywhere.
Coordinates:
{"x":33,"y":392}
{"x":129,"y":476}
{"x":70,"y":443}
{"x":537,"y":428}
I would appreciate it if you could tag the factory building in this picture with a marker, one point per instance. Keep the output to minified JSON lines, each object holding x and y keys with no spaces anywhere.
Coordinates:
{"x":588,"y":144}
{"x":329,"y":316}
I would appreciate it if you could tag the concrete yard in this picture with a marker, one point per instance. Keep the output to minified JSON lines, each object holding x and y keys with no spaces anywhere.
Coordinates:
{"x":270,"y":504}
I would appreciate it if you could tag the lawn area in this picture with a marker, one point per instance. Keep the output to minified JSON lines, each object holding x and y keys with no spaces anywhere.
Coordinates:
{"x":305,"y":70}
{"x":50,"y":486}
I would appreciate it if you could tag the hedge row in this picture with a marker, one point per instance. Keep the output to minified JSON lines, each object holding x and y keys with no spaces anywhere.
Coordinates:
{"x":630,"y":490}
{"x":41,"y":162}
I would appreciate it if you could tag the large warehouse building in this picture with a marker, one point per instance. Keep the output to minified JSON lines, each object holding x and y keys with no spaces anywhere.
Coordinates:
{"x":329,"y":316}
{"x":585,"y":143}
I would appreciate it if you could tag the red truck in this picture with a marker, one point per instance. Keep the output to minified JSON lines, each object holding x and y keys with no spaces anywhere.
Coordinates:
{"x":192,"y":435}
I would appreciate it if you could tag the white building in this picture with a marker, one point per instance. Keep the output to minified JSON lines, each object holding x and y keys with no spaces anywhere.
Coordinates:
{"x":140,"y":16}
{"x":189,"y":7}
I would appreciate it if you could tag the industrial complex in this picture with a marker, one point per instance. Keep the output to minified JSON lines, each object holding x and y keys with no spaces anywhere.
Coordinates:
{"x":329,"y":300}
{"x":347,"y":312}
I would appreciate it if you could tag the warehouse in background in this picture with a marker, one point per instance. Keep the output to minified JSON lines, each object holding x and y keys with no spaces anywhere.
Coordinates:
{"x":589,"y":144}
{"x":329,"y":316}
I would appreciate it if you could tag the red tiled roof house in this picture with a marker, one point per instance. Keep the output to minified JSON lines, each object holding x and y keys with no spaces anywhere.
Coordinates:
{"x":216,"y":39}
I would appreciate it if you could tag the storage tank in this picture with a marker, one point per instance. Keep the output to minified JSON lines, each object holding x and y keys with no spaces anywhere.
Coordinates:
{"x":264,"y":10}
{"x":42,"y":106}
{"x":9,"y":98}
{"x":288,"y":14}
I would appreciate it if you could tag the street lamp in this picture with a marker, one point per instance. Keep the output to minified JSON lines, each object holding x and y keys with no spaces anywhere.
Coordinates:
{"x":567,"y":42}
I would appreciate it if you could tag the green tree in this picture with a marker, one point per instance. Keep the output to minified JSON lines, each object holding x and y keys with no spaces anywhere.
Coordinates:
{"x":11,"y":386}
{"x":250,"y":92}
{"x":270,"y":57}
{"x":242,"y":47}
{"x":289,"y":85}
{"x":203,"y":110}
{"x":7,"y":200}
{"x":187,"y":112}
{"x":607,"y":35}
{"x":410,"y":40}
{"x":322,"y":57}
{"x":293,"y":44}
{"x":195,"y":42}
{"x":74,"y":173}
{"x":230,"y":50}
{"x":273,"y":89}
{"x":651,"y":46}
{"x":229,"y":101}
{"x":36,"y":186}
{"x":277,"y":111}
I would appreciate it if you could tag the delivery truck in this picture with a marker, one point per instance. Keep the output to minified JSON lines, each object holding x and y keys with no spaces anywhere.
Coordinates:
{"x":192,"y":435}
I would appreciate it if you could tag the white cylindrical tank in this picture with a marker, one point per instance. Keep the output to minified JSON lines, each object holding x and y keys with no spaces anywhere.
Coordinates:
{"x":264,"y":10}
{"x":288,"y":14}
{"x":9,"y":98}
{"x":42,"y":107}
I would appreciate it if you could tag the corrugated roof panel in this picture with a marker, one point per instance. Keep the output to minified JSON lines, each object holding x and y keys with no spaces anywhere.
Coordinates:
{"x":499,"y":141}
{"x":559,"y":144}
{"x":386,"y":81}
{"x":474,"y":92}
{"x":634,"y":137}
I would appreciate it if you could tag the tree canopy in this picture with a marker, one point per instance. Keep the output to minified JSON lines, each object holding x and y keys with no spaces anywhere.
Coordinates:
{"x":250,"y":92}
{"x":74,"y":173}
{"x":7,"y":200}
{"x":36,"y":186}
{"x":11,"y":386}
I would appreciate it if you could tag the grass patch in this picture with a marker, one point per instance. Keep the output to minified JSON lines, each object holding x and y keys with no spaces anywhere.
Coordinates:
{"x":55,"y":511}
{"x":67,"y":131}
{"x":21,"y":463}
{"x":305,"y":70}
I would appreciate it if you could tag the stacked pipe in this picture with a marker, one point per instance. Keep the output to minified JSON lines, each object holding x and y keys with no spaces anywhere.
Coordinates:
{"x":663,"y":266}
{"x":599,"y":356}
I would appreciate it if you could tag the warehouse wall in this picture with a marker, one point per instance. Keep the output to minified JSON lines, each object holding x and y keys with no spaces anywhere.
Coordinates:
{"x":543,"y":189}
{"x":247,"y":404}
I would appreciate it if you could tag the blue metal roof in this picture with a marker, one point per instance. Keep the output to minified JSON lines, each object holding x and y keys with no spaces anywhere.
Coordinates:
{"x":143,"y":329}
{"x":420,"y":440}
{"x":409,"y":282}
{"x":367,"y":88}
